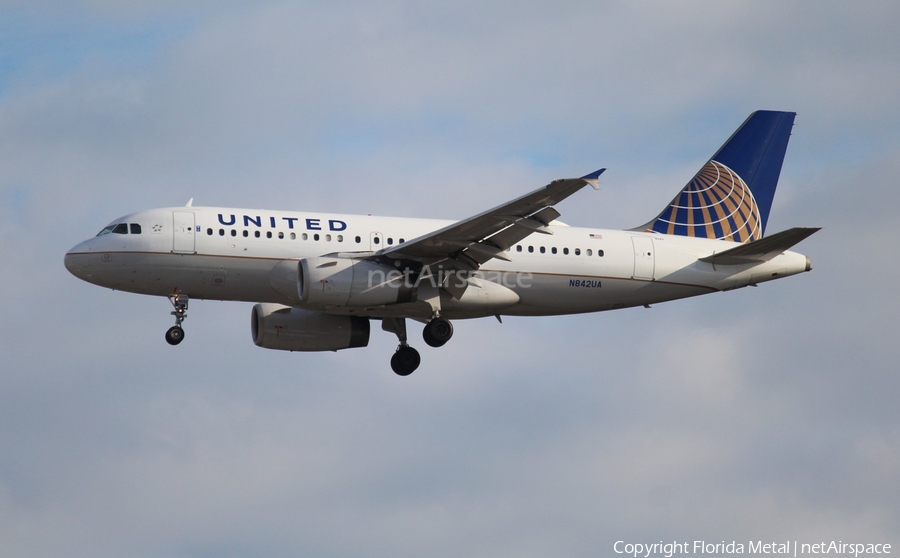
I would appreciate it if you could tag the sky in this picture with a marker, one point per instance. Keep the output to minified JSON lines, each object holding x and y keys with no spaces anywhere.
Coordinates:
{"x":765,"y":413}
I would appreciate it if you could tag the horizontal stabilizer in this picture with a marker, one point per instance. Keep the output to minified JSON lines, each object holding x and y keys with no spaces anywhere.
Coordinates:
{"x":761,"y":250}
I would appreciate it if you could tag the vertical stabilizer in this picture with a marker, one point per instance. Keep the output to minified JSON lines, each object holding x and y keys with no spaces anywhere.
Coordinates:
{"x":731,"y":196}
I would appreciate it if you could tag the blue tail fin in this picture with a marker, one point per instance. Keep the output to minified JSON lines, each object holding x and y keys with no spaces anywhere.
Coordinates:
{"x":730,"y":198}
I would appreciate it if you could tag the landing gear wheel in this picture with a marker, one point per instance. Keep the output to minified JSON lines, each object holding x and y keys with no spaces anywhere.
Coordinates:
{"x":405,"y":361}
{"x":430,"y":340}
{"x":437,"y":332}
{"x":175,"y":335}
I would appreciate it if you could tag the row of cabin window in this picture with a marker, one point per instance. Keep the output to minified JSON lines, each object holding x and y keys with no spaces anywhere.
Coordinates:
{"x":121,"y":228}
{"x":565,"y":251}
{"x":376,"y":240}
{"x":390,"y":240}
{"x":304,"y":236}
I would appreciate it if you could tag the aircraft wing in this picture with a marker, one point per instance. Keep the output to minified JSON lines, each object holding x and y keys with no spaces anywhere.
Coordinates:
{"x":487,"y":235}
{"x":761,"y":250}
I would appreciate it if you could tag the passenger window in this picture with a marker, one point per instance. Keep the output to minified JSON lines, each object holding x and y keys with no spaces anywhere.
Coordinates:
{"x":401,"y":241}
{"x":316,"y":236}
{"x":280,"y":235}
{"x":327,"y":238}
{"x":293,"y":236}
{"x":209,"y":232}
{"x":233,"y":232}
{"x":221,"y":232}
{"x":377,"y":240}
{"x":543,"y":250}
{"x":577,"y":251}
{"x":246,"y":234}
{"x":135,"y":228}
{"x":390,"y":241}
{"x":519,"y":248}
{"x":305,"y":236}
{"x":358,"y":240}
{"x":553,"y":250}
{"x":268,"y":234}
{"x":256,"y":234}
{"x":121,"y":228}
{"x":531,"y":249}
{"x":340,"y":238}
{"x":600,"y":253}
{"x":588,"y":252}
{"x":566,"y":251}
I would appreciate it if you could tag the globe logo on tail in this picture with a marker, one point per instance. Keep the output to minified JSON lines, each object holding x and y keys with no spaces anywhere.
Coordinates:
{"x":717,"y":204}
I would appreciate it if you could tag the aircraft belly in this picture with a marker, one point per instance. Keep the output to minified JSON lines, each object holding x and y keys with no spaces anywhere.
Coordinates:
{"x":198,"y":276}
{"x":553,"y":295}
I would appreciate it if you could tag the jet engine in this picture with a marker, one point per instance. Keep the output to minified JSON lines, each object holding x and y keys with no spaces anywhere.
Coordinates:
{"x":274,"y":326}
{"x":325,"y":281}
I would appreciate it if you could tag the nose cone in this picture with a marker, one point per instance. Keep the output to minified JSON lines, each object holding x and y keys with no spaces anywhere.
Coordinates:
{"x":76,"y":261}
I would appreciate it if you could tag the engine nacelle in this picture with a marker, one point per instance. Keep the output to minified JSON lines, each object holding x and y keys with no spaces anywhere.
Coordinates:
{"x":327,"y":282}
{"x":274,"y":326}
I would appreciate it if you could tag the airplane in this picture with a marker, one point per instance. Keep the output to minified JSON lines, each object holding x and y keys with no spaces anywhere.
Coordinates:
{"x":320,"y":279}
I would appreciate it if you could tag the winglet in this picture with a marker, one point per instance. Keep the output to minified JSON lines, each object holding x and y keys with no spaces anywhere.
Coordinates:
{"x":593,"y":179}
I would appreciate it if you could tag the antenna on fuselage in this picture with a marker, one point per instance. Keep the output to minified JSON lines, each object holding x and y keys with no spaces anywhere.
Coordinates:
{"x":189,"y":203}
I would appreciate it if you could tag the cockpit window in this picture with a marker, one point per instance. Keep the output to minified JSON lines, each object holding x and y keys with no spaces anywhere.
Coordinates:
{"x":120,"y":228}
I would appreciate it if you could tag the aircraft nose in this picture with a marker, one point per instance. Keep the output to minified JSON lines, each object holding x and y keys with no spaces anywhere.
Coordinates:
{"x":75,"y":261}
{"x":69,"y":261}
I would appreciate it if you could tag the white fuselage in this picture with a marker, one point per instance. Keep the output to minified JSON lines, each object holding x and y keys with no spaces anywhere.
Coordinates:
{"x":252,"y":255}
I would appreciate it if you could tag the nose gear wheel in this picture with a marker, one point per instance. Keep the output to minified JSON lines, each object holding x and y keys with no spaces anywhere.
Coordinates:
{"x":175,"y":335}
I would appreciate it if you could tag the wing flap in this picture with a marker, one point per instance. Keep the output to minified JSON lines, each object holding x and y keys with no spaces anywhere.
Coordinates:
{"x":762,"y":250}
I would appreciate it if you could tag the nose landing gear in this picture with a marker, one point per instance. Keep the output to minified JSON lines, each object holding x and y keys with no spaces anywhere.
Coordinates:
{"x":175,"y":334}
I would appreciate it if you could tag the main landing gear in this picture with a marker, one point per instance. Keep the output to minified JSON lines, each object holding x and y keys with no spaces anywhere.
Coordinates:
{"x":406,"y":359}
{"x":175,"y":335}
{"x":437,"y":332}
